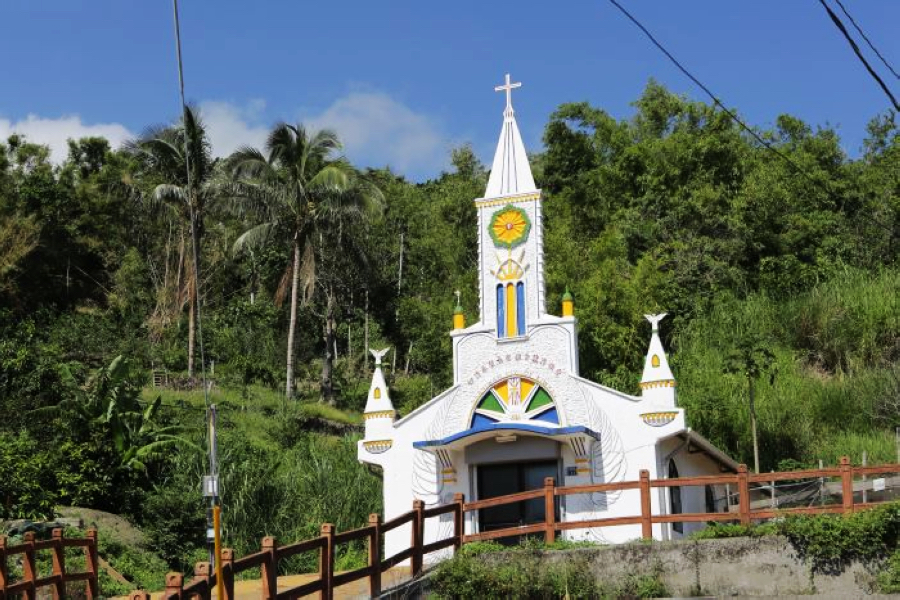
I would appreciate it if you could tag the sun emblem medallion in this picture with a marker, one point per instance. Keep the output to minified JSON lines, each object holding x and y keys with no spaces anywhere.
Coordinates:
{"x":509,"y":226}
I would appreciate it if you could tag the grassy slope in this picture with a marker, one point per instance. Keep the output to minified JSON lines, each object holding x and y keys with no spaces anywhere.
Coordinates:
{"x":835,"y":372}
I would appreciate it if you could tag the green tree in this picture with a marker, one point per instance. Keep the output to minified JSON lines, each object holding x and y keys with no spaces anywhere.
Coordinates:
{"x":166,"y":155}
{"x":752,"y":359}
{"x":304,"y":195}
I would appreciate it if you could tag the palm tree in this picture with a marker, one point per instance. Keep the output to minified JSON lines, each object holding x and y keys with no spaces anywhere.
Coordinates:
{"x":303,"y":193}
{"x":165,"y":158}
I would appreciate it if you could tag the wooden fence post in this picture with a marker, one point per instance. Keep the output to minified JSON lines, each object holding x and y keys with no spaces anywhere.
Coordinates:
{"x":4,"y":579}
{"x":59,"y":564}
{"x":93,"y":565}
{"x":743,"y":483}
{"x":549,"y":510}
{"x":846,"y":484}
{"x":646,"y":507}
{"x":174,"y":586}
{"x":459,"y":521}
{"x":326,"y":562}
{"x":29,"y":568}
{"x":204,"y":570}
{"x":418,"y":535}
{"x":375,"y":556}
{"x":227,"y":573}
{"x":269,"y":570}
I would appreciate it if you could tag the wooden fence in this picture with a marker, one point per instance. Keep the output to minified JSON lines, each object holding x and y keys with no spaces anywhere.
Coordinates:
{"x":740,"y":481}
{"x":326,"y":580}
{"x":30,"y":582}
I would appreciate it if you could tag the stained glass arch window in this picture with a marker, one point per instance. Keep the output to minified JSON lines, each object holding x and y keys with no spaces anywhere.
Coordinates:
{"x":515,"y":399}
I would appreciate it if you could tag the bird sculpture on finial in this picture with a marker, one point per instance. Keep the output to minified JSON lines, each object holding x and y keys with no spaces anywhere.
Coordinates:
{"x":655,"y":319}
{"x":378,"y":354}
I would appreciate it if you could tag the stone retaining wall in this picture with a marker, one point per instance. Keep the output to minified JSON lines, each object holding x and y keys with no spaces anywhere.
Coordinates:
{"x":764,"y":566}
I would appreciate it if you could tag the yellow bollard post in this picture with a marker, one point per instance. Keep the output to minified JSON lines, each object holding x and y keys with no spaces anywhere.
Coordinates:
{"x":217,"y":526}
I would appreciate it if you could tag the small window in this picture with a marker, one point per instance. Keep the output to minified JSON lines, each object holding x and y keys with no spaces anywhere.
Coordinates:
{"x":675,"y":498}
{"x":710,"y":499}
{"x":377,"y":393}
{"x":655,"y":360}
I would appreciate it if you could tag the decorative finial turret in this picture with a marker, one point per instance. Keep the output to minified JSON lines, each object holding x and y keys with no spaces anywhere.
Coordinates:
{"x":657,"y":382}
{"x":568,"y":304}
{"x":459,"y":318}
{"x":379,"y":413}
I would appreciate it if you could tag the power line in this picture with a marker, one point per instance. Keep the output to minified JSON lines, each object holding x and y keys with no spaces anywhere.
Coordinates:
{"x":193,"y":215}
{"x":717,"y":102}
{"x":868,"y":41}
{"x":822,"y":185}
{"x":840,"y":25}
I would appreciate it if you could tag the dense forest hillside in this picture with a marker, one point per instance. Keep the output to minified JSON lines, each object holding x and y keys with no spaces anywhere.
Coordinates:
{"x":778,"y":268}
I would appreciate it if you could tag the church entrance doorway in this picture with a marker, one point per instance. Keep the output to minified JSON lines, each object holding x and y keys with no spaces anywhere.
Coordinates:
{"x":509,"y":478}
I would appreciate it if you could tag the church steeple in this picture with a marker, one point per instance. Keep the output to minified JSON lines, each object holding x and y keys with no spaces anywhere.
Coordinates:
{"x":510,"y":237}
{"x":510,"y":173}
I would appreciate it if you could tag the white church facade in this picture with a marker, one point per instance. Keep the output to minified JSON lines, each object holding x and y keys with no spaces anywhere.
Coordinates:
{"x":519,"y":411}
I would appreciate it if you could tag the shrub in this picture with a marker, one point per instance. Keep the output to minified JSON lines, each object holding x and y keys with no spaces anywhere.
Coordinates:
{"x":27,"y":479}
{"x":523,"y":575}
{"x":833,"y":540}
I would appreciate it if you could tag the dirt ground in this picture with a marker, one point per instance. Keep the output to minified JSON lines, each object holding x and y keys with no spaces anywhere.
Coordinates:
{"x":252,"y":590}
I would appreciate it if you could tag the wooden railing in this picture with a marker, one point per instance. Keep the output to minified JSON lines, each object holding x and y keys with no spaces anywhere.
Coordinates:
{"x":268,"y":558}
{"x":326,"y":580}
{"x":742,"y":512}
{"x":30,"y":582}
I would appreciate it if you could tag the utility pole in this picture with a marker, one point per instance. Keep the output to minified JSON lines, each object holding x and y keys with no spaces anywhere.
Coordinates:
{"x":211,"y":492}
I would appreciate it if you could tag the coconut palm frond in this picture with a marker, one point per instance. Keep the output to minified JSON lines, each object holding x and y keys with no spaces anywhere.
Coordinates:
{"x":173,"y":195}
{"x":255,"y":237}
{"x":249,"y":163}
{"x":332,"y":178}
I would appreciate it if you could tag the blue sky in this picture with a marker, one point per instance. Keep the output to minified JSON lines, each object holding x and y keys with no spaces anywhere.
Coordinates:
{"x":405,"y":81}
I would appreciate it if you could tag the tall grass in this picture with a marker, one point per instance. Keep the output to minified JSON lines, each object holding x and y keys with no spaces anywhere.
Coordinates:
{"x":835,"y":349}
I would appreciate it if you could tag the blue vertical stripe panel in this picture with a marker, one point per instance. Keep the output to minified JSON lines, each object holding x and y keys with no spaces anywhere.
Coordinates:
{"x":501,"y":312}
{"x":520,"y":307}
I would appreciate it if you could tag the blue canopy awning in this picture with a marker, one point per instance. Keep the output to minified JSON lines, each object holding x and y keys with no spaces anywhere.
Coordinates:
{"x":487,"y":431}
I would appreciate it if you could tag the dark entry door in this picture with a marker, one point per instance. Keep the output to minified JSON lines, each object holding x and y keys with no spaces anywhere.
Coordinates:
{"x":510,"y":478}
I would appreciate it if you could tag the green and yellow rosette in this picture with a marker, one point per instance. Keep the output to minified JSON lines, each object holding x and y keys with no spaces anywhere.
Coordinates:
{"x":509,"y":226}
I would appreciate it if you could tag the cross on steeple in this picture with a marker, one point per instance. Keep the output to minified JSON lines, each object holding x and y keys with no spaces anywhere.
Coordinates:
{"x":508,"y":88}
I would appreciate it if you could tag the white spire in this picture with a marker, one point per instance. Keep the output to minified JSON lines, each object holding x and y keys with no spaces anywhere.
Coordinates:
{"x":379,"y":400}
{"x":656,"y":366}
{"x":510,"y":173}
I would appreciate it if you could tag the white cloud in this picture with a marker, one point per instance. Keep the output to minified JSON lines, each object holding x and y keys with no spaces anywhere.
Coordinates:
{"x":377,"y":130}
{"x":230,"y":126}
{"x":55,"y":132}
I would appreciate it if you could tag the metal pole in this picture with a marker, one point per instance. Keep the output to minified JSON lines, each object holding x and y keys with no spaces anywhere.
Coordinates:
{"x":210,"y":483}
{"x":211,"y":488}
{"x":865,"y":463}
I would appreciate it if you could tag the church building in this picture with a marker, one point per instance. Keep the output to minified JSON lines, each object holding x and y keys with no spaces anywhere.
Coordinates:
{"x":519,"y":411}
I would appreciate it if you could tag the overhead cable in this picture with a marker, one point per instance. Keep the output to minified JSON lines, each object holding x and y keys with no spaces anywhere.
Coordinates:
{"x":868,"y":41}
{"x":840,"y":25}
